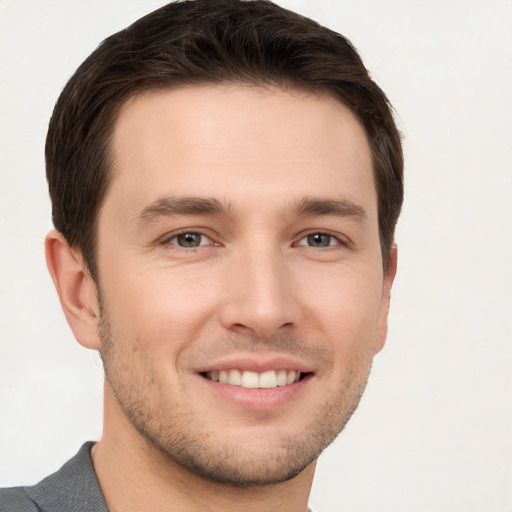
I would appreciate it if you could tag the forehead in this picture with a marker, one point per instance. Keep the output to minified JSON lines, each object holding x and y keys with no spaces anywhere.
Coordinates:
{"x":239,"y":142}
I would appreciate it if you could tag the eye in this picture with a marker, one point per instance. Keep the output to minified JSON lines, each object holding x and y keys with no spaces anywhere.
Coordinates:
{"x":319,"y":240}
{"x":189,"y":240}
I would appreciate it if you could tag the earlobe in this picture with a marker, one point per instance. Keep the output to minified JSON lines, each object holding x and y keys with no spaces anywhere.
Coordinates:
{"x":389,"y":277}
{"x":76,"y":290}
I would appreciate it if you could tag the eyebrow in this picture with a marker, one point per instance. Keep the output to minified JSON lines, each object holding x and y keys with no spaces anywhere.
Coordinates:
{"x":168,"y":206}
{"x":307,"y":206}
{"x":329,"y":207}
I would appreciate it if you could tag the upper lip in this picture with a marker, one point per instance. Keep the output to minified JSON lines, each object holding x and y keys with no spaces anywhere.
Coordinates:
{"x":259,"y":364}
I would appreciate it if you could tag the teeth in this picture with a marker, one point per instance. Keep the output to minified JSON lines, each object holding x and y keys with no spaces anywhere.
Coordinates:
{"x":248,"y":379}
{"x":235,"y":377}
{"x":268,"y":379}
{"x":281,"y":378}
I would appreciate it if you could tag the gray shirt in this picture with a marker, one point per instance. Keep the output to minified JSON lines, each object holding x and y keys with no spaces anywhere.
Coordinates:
{"x":74,"y":488}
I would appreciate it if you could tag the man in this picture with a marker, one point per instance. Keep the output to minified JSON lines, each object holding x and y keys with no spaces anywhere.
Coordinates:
{"x":225,"y":180}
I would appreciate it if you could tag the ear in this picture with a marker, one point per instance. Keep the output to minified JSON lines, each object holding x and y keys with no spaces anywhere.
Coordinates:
{"x":75,"y":287}
{"x":382,"y":321}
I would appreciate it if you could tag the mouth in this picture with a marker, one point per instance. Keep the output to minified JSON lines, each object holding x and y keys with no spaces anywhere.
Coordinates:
{"x":255,"y":380}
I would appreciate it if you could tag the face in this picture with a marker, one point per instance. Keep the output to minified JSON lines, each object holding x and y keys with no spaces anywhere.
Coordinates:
{"x":241,"y":278}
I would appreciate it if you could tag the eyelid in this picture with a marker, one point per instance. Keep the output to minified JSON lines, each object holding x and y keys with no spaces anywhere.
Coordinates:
{"x":169,"y":237}
{"x":341,"y":239}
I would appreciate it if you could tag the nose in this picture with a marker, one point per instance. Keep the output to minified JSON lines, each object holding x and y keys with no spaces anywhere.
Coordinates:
{"x":260,"y":296}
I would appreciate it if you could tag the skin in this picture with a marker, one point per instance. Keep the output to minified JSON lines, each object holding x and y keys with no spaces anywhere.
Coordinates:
{"x":287,"y":273}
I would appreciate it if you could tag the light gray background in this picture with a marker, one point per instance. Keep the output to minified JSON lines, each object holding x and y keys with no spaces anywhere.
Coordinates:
{"x":433,"y":431}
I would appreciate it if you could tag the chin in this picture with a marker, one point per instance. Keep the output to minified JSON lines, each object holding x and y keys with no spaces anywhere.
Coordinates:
{"x":251,"y":459}
{"x":243,"y":466}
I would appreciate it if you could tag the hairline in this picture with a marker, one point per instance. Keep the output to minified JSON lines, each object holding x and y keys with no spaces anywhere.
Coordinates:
{"x":285,"y":84}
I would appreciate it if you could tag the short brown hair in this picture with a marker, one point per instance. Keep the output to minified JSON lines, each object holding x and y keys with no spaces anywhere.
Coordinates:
{"x":206,"y":42}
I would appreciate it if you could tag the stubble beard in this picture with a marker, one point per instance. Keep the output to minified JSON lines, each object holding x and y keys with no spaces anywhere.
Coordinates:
{"x":177,"y":435}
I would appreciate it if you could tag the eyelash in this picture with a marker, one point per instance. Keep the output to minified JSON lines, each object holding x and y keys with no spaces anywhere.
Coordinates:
{"x":339,"y":240}
{"x":168,"y":240}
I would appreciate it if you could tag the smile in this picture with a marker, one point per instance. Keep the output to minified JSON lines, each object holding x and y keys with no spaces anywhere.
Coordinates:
{"x":249,"y":379}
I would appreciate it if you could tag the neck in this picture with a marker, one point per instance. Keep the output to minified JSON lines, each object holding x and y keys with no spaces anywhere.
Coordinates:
{"x":135,"y":475}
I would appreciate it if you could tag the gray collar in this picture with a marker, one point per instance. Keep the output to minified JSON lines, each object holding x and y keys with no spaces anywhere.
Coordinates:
{"x":74,"y":488}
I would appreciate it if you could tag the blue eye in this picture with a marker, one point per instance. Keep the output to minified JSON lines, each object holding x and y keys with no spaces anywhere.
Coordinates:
{"x":319,"y":240}
{"x":189,"y":240}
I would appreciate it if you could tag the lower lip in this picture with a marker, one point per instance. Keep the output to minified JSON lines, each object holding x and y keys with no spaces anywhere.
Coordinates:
{"x":258,"y":398}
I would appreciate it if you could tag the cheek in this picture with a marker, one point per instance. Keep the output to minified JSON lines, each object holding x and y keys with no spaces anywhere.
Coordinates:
{"x":345,"y":309}
{"x":348,"y":316}
{"x":159,"y":308}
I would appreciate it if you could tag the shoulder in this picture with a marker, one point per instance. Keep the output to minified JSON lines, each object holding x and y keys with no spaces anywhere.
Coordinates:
{"x":15,"y":499}
{"x":74,"y":488}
